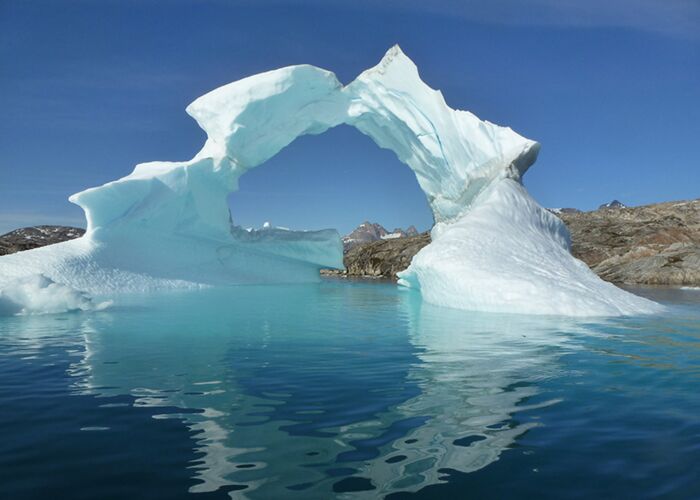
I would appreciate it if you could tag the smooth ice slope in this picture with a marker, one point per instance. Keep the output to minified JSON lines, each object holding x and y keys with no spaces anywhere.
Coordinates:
{"x":508,"y":254}
{"x":167,"y":224}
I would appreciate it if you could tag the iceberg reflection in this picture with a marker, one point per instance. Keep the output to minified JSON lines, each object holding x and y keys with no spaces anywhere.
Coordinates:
{"x":307,"y":391}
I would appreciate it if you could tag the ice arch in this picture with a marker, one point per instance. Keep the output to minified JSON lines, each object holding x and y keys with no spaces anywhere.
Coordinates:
{"x":168,"y":224}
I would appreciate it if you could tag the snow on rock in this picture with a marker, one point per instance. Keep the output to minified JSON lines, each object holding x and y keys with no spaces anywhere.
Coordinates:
{"x":392,"y":236}
{"x":168,"y":223}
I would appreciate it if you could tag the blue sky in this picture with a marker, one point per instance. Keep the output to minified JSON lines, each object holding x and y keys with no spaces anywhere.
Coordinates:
{"x":90,"y":88}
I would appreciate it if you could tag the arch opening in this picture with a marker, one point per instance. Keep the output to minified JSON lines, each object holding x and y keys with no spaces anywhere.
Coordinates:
{"x":337,"y":180}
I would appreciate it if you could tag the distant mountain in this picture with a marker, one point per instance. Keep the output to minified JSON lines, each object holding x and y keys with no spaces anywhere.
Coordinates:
{"x":613,"y":204}
{"x":27,"y":238}
{"x":371,"y":231}
{"x":411,"y":231}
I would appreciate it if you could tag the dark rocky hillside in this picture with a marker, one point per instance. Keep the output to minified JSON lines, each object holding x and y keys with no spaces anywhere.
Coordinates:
{"x":27,"y":238}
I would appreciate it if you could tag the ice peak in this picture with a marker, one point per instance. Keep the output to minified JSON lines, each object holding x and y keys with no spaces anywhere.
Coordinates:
{"x":394,"y":54}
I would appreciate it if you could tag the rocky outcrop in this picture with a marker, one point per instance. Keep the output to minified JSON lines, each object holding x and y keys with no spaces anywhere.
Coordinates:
{"x":27,"y":238}
{"x":384,"y":258}
{"x":381,"y":258}
{"x":655,"y":244}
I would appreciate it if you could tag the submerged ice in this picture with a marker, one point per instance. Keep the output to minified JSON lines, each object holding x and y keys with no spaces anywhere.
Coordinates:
{"x":167,"y":224}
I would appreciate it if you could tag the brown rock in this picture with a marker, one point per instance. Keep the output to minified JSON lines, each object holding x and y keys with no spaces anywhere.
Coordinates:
{"x":654,"y":244}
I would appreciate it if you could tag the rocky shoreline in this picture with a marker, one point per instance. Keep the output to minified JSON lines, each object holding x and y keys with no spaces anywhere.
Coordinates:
{"x":652,"y":245}
{"x":655,"y":244}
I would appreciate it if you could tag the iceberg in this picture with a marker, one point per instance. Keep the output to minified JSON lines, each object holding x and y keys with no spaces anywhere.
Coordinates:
{"x":168,"y":224}
{"x":508,"y":254}
{"x":37,"y":294}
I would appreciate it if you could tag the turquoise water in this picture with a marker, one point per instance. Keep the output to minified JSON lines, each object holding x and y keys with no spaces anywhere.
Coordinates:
{"x":347,"y":389}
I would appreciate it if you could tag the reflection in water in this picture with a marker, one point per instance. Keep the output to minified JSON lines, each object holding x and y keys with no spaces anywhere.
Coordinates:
{"x":476,"y":372}
{"x":306,"y":391}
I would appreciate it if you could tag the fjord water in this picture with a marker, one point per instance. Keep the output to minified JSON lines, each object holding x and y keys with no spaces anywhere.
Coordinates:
{"x":347,"y":389}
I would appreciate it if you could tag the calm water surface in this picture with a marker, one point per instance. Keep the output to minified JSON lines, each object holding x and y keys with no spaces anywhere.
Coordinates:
{"x":347,"y":389}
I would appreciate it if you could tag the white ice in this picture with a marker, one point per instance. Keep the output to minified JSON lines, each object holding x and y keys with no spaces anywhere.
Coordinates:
{"x":167,"y":224}
{"x":508,"y":254}
{"x":37,"y":294}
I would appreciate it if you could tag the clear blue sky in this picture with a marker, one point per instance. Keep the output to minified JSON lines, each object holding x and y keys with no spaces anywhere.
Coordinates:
{"x":611,"y":88}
